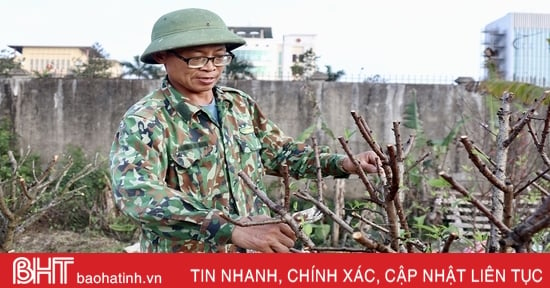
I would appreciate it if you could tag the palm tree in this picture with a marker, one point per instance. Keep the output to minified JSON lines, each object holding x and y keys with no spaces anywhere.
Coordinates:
{"x":239,"y":70}
{"x":334,"y":76}
{"x":142,"y":70}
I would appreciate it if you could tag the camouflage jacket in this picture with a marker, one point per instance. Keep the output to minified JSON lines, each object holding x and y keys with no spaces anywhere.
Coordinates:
{"x":174,"y":169}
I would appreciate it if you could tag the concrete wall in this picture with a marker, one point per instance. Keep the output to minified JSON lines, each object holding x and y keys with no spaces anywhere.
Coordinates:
{"x":50,"y":114}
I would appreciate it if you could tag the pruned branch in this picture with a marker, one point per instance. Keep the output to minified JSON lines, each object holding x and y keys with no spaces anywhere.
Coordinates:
{"x":370,"y":188}
{"x":366,"y":132}
{"x":285,"y":216}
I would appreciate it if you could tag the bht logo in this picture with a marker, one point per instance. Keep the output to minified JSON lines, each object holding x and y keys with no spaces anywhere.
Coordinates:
{"x":30,"y":271}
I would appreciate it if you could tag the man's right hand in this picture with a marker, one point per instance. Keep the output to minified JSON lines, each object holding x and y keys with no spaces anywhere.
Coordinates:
{"x":263,"y":238}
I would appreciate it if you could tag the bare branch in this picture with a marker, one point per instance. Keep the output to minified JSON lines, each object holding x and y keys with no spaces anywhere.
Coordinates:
{"x":396,"y":180}
{"x":486,"y":127}
{"x":514,"y":132}
{"x":457,"y":187}
{"x":541,"y":189}
{"x":398,"y":145}
{"x":320,"y":182}
{"x":522,"y":234}
{"x":367,"y":135}
{"x":480,"y":166}
{"x":418,"y":161}
{"x":286,"y":184}
{"x":540,"y":144}
{"x":546,"y":129}
{"x":374,"y":225}
{"x":408,"y":146}
{"x":539,"y":175}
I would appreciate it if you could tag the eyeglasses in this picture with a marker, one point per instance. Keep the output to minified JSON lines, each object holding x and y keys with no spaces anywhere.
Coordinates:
{"x":201,"y":61}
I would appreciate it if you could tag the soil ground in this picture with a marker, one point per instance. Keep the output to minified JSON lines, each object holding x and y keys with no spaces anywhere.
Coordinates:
{"x":48,"y":240}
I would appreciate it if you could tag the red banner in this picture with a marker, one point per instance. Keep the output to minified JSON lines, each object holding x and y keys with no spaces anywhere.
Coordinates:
{"x":274,"y":270}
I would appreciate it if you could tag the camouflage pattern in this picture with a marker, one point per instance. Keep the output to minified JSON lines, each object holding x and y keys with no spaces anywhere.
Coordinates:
{"x":174,"y":170}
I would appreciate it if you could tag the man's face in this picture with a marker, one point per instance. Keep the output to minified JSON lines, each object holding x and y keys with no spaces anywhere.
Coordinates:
{"x":185,"y":71}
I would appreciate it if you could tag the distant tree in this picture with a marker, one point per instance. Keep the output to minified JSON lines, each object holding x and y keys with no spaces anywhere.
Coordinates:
{"x":334,"y":76}
{"x":8,"y":62}
{"x":97,"y":66}
{"x":375,"y":79}
{"x":239,"y":70}
{"x":304,"y":65}
{"x":46,"y":73}
{"x":142,"y":70}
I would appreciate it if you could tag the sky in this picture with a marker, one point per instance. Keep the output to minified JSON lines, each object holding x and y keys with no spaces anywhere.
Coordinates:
{"x":386,"y":37}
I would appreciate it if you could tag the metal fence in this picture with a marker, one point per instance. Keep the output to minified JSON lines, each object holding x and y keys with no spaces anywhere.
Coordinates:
{"x":376,"y":78}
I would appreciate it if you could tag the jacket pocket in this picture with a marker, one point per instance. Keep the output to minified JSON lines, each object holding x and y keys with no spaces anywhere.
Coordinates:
{"x":250,"y":158}
{"x":189,"y":153}
{"x":191,"y":171}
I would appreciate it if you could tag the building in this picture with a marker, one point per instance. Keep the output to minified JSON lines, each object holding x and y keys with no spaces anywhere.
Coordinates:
{"x":260,"y":50}
{"x":271,"y":58}
{"x":295,"y":45}
{"x":57,"y":61}
{"x":518,"y":46}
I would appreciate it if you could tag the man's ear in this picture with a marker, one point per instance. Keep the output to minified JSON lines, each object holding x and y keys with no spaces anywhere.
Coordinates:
{"x":160,"y":57}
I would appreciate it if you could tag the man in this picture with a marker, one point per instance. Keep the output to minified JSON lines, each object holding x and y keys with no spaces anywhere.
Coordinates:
{"x":176,"y":156}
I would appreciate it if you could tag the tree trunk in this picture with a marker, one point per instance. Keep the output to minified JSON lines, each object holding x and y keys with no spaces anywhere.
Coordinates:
{"x":497,"y":195}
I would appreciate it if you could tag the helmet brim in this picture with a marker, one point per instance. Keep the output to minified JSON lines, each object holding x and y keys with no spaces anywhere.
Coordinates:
{"x":192,"y":38}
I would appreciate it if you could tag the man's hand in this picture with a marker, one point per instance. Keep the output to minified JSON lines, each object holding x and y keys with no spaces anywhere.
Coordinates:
{"x":370,"y":163}
{"x":263,"y":238}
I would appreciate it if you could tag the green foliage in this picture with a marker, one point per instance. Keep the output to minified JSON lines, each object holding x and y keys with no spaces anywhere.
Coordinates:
{"x":349,"y":133}
{"x":86,"y":211}
{"x":439,"y":183}
{"x":411,"y":119}
{"x":306,"y":134}
{"x":327,"y":130}
{"x":95,"y":68}
{"x":7,"y":142}
{"x":523,"y":92}
{"x":43,"y":74}
{"x":451,"y":136}
{"x":8,"y":62}
{"x":297,"y":70}
{"x":239,"y":70}
{"x":320,"y":231}
{"x":98,"y":65}
{"x":334,"y":76}
{"x":377,"y":78}
{"x":435,"y":235}
{"x":304,"y":65}
{"x":56,"y":204}
{"x":142,"y":70}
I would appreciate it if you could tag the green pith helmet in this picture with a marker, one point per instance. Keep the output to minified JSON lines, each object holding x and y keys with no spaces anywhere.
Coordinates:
{"x":186,"y":28}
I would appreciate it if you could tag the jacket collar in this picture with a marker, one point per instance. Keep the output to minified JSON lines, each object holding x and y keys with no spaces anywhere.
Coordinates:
{"x":186,"y":110}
